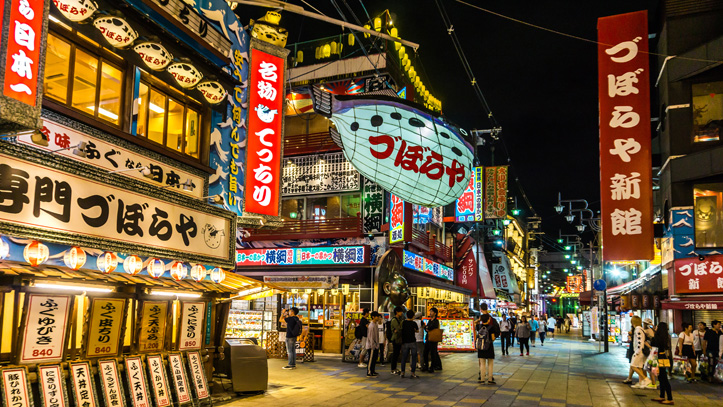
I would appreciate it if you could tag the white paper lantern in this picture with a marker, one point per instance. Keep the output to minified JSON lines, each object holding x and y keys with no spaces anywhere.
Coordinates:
{"x":36,"y":253}
{"x":179,"y":271}
{"x":154,"y":55}
{"x":4,"y":248}
{"x":218,"y":275}
{"x":212,"y":91}
{"x":198,"y":272}
{"x":156,"y":267}
{"x":116,"y":31}
{"x":74,"y":258}
{"x":76,"y":10}
{"x":107,"y":262}
{"x":132,"y":264}
{"x":185,"y":74}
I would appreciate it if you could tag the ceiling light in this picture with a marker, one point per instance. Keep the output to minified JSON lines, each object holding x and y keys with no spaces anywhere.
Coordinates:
{"x":175,"y":294}
{"x":74,"y":288}
{"x":154,"y":107}
{"x":104,"y":112}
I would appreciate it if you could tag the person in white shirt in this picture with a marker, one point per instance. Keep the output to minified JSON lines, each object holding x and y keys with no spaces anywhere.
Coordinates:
{"x":419,"y":336}
{"x":639,"y":358}
{"x":686,"y":348}
{"x":542,"y":331}
{"x":505,"y":330}
{"x":551,"y":321}
{"x":698,"y":335}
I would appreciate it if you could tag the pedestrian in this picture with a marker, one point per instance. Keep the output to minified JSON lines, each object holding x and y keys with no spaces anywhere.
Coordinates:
{"x":505,"y":333}
{"x":551,"y":321}
{"x":698,"y":335}
{"x":712,"y":347}
{"x":383,"y":342}
{"x":649,"y":329}
{"x":293,"y":330}
{"x":661,"y":340}
{"x":534,"y":325}
{"x":629,"y":357}
{"x":431,"y":354}
{"x":542,"y":330}
{"x":638,"y":360}
{"x":396,"y":339}
{"x":485,"y":348}
{"x":568,"y":323}
{"x":513,"y":326}
{"x":373,"y":345}
{"x":361,"y":332}
{"x":409,"y":343}
{"x":559,"y":324}
{"x":522,"y":332}
{"x":419,"y":337}
{"x":686,"y":348}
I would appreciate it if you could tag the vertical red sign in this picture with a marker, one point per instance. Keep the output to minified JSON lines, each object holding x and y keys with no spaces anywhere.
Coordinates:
{"x":467,"y":273}
{"x":495,"y":192}
{"x":263,"y":154}
{"x":23,"y":55}
{"x":625,"y":160}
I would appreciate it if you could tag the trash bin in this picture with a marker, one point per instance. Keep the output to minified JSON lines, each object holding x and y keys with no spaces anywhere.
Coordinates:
{"x":247,"y":365}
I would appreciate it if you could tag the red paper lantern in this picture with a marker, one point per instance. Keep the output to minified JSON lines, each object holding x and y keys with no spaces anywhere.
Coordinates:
{"x":156,"y":267}
{"x":36,"y":253}
{"x":132,"y":264}
{"x":107,"y":262}
{"x":74,"y":257}
{"x":179,"y":271}
{"x":198,"y":272}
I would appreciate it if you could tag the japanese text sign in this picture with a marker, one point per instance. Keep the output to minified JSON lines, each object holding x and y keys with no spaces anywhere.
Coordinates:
{"x":303,"y":256}
{"x":469,"y":206}
{"x":401,"y":218}
{"x":137,"y":386}
{"x":693,"y":276}
{"x":111,"y":384}
{"x":153,"y":326}
{"x":52,"y":386}
{"x":625,"y":146}
{"x":23,"y":50}
{"x":180,"y":380}
{"x":424,"y":265}
{"x":264,"y":144}
{"x":495,"y":202}
{"x":37,"y":196}
{"x":15,"y":387}
{"x":693,"y":305}
{"x":105,"y":325}
{"x":190,"y":335}
{"x":467,"y":272}
{"x":574,"y":284}
{"x":373,"y":206}
{"x":198,"y":375}
{"x":159,"y":381}
{"x":83,"y":384}
{"x":44,"y":328}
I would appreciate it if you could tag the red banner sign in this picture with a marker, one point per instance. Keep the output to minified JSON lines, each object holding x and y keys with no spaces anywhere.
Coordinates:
{"x":625,"y":160}
{"x":693,"y":276}
{"x":574,"y":284}
{"x":495,"y":192}
{"x":263,"y":154}
{"x":23,"y":57}
{"x":467,"y":273}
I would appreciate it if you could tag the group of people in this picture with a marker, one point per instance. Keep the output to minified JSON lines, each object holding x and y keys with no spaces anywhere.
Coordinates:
{"x":405,"y":333}
{"x":526,"y":331}
{"x":692,"y":345}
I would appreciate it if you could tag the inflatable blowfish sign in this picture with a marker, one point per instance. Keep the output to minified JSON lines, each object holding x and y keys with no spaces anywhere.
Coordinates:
{"x":408,"y":150}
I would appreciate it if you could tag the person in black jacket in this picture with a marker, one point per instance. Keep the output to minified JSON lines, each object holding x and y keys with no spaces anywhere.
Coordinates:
{"x":363,"y":324}
{"x":661,"y":340}
{"x":430,"y":348}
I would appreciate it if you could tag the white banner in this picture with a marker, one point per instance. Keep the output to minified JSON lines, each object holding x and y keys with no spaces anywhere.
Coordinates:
{"x":159,"y":382}
{"x":190,"y":335}
{"x":180,"y":380}
{"x":33,"y":195}
{"x":52,"y":386}
{"x":110,"y":383}
{"x":47,"y":320}
{"x":137,"y":382}
{"x":198,"y":375}
{"x":111,"y":157}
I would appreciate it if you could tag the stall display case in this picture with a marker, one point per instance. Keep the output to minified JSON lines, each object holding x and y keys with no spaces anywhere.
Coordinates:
{"x":614,"y":331}
{"x":458,"y":334}
{"x":245,"y":323}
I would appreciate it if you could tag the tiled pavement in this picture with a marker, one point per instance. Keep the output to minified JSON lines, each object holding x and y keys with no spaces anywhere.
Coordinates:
{"x":565,"y":372}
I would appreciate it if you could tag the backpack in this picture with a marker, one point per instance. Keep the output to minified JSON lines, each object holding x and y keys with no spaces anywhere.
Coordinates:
{"x":296,"y":330}
{"x":483,"y":338}
{"x":388,"y":330}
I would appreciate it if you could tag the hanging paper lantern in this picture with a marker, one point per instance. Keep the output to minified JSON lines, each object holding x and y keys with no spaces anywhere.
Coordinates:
{"x":36,"y":253}
{"x":179,"y":271}
{"x":156,"y":267}
{"x":116,"y":31}
{"x":133,"y":264}
{"x":212,"y":91}
{"x":153,"y":55}
{"x":198,"y":272}
{"x":4,"y":248}
{"x":107,"y":262}
{"x":74,"y":257}
{"x":218,"y":275}
{"x":76,"y":10}
{"x":185,"y":74}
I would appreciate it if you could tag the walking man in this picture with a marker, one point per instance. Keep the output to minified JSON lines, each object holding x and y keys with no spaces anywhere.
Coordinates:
{"x":293,"y":330}
{"x":534,"y":325}
{"x":505,"y":331}
{"x":712,"y":347}
{"x":396,"y":338}
{"x":409,"y":342}
{"x":551,"y":326}
{"x":373,"y":344}
{"x":431,"y":354}
{"x":363,"y":334}
{"x":542,"y":330}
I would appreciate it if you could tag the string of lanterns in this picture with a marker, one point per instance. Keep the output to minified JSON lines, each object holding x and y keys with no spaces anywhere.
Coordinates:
{"x":36,"y":253}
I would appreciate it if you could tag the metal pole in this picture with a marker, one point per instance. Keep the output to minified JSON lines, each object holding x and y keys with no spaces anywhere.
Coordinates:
{"x":606,"y":346}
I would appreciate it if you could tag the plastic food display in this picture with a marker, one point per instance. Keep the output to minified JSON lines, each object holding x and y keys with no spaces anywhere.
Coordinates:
{"x":458,"y":334}
{"x":245,"y":324}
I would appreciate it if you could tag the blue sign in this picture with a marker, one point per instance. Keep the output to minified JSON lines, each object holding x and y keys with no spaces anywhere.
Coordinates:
{"x":424,"y":265}
{"x":599,"y":285}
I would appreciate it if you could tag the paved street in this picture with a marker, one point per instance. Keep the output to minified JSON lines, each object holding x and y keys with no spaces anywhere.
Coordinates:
{"x":565,"y":372}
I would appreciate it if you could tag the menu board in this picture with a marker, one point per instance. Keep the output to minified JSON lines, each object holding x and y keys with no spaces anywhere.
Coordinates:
{"x":458,"y":334}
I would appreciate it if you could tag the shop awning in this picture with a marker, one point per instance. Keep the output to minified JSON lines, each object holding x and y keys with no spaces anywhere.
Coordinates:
{"x":416,"y":280}
{"x":641,"y":281}
{"x":702,"y":303}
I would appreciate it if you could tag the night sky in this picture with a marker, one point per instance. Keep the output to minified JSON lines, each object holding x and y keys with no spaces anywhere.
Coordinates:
{"x":541,"y":87}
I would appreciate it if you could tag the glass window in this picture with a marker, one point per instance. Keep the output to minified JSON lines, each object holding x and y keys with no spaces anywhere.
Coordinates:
{"x":707,"y":111}
{"x":57,"y":67}
{"x":292,"y":209}
{"x":85,"y":81}
{"x":708,"y":215}
{"x":174,"y":133}
{"x":192,"y":123}
{"x":142,"y":112}
{"x":109,"y":105}
{"x":350,"y":206}
{"x":156,"y":116}
{"x":317,"y":208}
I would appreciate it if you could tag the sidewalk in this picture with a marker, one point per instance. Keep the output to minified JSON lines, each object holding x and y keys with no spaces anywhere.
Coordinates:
{"x":565,"y":372}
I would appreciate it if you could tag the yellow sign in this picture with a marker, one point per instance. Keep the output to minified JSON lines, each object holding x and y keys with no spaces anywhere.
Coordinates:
{"x":153,"y":326}
{"x":105,"y":325}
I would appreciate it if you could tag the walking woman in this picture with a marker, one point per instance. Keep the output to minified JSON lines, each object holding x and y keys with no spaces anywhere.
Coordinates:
{"x":486,"y":336}
{"x":523,"y":335}
{"x":639,"y":358}
{"x":661,"y":340}
{"x":686,"y":340}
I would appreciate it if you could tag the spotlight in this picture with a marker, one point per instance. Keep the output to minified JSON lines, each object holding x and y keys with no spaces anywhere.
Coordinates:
{"x":580,"y":228}
{"x":559,"y":209}
{"x":569,"y":218}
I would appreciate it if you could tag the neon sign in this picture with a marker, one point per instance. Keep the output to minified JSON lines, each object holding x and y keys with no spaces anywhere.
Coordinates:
{"x":424,"y":265}
{"x":302,"y":256}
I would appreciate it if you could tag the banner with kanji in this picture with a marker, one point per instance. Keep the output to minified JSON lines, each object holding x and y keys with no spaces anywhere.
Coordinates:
{"x":625,"y":155}
{"x":495,"y":202}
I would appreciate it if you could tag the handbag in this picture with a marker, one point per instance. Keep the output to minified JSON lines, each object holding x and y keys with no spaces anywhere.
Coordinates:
{"x":435,"y":335}
{"x":664,"y":362}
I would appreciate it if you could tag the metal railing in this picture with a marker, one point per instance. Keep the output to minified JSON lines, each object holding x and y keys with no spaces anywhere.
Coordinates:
{"x":300,"y":144}
{"x":311,"y":229}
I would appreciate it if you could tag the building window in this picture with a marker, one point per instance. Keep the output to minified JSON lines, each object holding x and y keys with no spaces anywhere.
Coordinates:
{"x":707,"y":111}
{"x":167,"y":120}
{"x":84,"y":81}
{"x":708,"y":215}
{"x":321,"y":207}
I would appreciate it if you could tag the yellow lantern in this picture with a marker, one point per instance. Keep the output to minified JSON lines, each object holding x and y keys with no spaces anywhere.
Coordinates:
{"x":402,"y":52}
{"x":377,"y":24}
{"x":107,"y":262}
{"x":179,"y":271}
{"x":366,"y":35}
{"x":198,"y":272}
{"x":405,"y":59}
{"x":317,"y":53}
{"x":407,"y":64}
{"x":320,"y":291}
{"x":156,"y":267}
{"x":133,"y":264}
{"x":333,"y":48}
{"x":299,"y":56}
{"x":394,"y":32}
{"x":345,"y":289}
{"x":36,"y":253}
{"x":350,"y":39}
{"x":334,"y":291}
{"x":74,"y":257}
{"x":326,"y":51}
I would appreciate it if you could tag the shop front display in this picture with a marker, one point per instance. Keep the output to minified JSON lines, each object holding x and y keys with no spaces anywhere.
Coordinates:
{"x":246,"y":323}
{"x":457,"y":334}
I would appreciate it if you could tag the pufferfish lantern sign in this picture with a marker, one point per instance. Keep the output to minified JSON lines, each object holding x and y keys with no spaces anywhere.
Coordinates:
{"x":408,"y":151}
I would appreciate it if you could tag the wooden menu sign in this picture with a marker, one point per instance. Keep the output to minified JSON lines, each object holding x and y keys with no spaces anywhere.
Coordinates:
{"x":53,"y":392}
{"x":137,"y":385}
{"x":44,"y":328}
{"x":158,"y":381}
{"x":111,"y":384}
{"x":198,"y":375}
{"x":179,"y":378}
{"x":152,"y":326}
{"x":190,"y":328}
{"x":104,"y":327}
{"x":15,"y":387}
{"x":81,"y":376}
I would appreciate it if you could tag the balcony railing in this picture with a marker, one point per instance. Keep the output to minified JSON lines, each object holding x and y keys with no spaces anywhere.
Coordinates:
{"x":309,"y":144}
{"x":311,"y":229}
{"x":422,"y":241}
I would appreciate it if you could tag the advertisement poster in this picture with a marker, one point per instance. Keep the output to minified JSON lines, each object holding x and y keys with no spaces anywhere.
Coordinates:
{"x":424,"y":265}
{"x":693,"y":276}
{"x":153,"y":326}
{"x":104,"y":327}
{"x":495,"y":200}
{"x":44,"y":328}
{"x":302,"y":256}
{"x":190,"y":333}
{"x":397,"y":218}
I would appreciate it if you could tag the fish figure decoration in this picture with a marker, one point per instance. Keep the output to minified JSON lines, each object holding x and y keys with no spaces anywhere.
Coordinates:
{"x":409,"y":151}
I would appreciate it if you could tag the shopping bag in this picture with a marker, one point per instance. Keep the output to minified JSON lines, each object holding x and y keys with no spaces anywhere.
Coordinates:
{"x":652,"y":361}
{"x":679,"y":365}
{"x":718,"y":375}
{"x":703,"y":367}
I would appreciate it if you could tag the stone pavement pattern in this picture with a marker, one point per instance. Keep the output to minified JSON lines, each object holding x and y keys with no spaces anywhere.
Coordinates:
{"x":565,"y":372}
